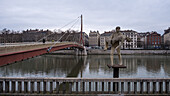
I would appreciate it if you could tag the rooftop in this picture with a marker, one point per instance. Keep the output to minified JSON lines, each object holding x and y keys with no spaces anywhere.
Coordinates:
{"x":107,"y":34}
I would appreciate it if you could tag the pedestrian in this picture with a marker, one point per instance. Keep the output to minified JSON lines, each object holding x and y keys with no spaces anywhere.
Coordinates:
{"x":44,"y":41}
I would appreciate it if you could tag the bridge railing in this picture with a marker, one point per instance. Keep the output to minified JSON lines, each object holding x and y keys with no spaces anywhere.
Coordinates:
{"x":83,"y":86}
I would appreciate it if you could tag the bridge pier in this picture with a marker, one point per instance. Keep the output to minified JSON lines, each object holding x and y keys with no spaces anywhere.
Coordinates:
{"x":76,"y":51}
{"x":80,"y":52}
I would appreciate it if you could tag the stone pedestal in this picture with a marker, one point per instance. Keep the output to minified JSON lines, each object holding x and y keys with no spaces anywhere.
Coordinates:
{"x":116,"y":74}
{"x":116,"y":69}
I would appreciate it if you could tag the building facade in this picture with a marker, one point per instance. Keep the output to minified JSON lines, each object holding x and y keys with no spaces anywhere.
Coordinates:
{"x":85,"y":39}
{"x":153,"y":40}
{"x":34,"y":35}
{"x":167,"y":40}
{"x":94,"y":38}
{"x":133,"y":36}
{"x":10,"y":36}
{"x":104,"y":37}
{"x":142,"y":40}
{"x":126,"y":45}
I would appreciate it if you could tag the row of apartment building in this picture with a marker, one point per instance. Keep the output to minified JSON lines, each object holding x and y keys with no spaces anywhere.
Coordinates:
{"x":36,"y":35}
{"x":147,"y":40}
{"x":101,"y":38}
{"x":139,"y":40}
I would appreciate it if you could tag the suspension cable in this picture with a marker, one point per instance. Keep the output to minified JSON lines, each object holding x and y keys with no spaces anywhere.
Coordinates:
{"x":63,"y":34}
{"x":69,"y":29}
{"x":59,"y":28}
{"x":72,"y":28}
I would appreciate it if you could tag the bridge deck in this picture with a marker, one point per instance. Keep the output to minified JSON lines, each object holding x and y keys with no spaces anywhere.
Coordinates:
{"x":25,"y":53}
{"x":11,"y":48}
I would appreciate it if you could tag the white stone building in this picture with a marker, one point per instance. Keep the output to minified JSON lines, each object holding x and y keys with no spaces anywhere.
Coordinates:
{"x":133,"y":35}
{"x":126,"y":45}
{"x":94,"y":38}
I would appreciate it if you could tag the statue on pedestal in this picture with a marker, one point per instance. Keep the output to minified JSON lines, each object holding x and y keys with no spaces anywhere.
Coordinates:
{"x":116,"y":41}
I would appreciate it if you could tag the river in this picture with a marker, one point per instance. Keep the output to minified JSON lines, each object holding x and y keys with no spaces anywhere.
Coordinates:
{"x":91,"y":66}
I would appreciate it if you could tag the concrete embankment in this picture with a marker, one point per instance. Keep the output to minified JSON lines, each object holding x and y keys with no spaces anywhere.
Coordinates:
{"x":63,"y":52}
{"x":128,"y":52}
{"x":123,"y":52}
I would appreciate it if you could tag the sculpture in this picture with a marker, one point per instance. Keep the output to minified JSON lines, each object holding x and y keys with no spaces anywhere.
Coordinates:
{"x":116,"y":41}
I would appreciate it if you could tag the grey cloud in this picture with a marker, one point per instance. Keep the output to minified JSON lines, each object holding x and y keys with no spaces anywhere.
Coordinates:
{"x":140,"y":15}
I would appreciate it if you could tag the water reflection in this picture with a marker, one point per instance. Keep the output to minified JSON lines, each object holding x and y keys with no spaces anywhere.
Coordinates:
{"x":44,"y":66}
{"x":152,"y":66}
{"x":92,"y":66}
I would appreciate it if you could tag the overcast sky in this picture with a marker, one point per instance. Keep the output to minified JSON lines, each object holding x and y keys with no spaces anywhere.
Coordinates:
{"x":102,"y":15}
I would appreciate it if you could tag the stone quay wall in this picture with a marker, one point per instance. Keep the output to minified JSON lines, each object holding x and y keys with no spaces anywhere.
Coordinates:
{"x":129,"y":52}
{"x":123,"y":52}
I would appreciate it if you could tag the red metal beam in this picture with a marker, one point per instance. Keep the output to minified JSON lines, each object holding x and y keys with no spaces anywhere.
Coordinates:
{"x":18,"y":56}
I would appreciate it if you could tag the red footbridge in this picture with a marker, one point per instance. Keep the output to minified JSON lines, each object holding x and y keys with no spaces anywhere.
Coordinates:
{"x":25,"y":53}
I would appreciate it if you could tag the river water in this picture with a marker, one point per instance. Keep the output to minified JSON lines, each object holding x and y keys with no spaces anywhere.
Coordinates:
{"x":91,"y":66}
